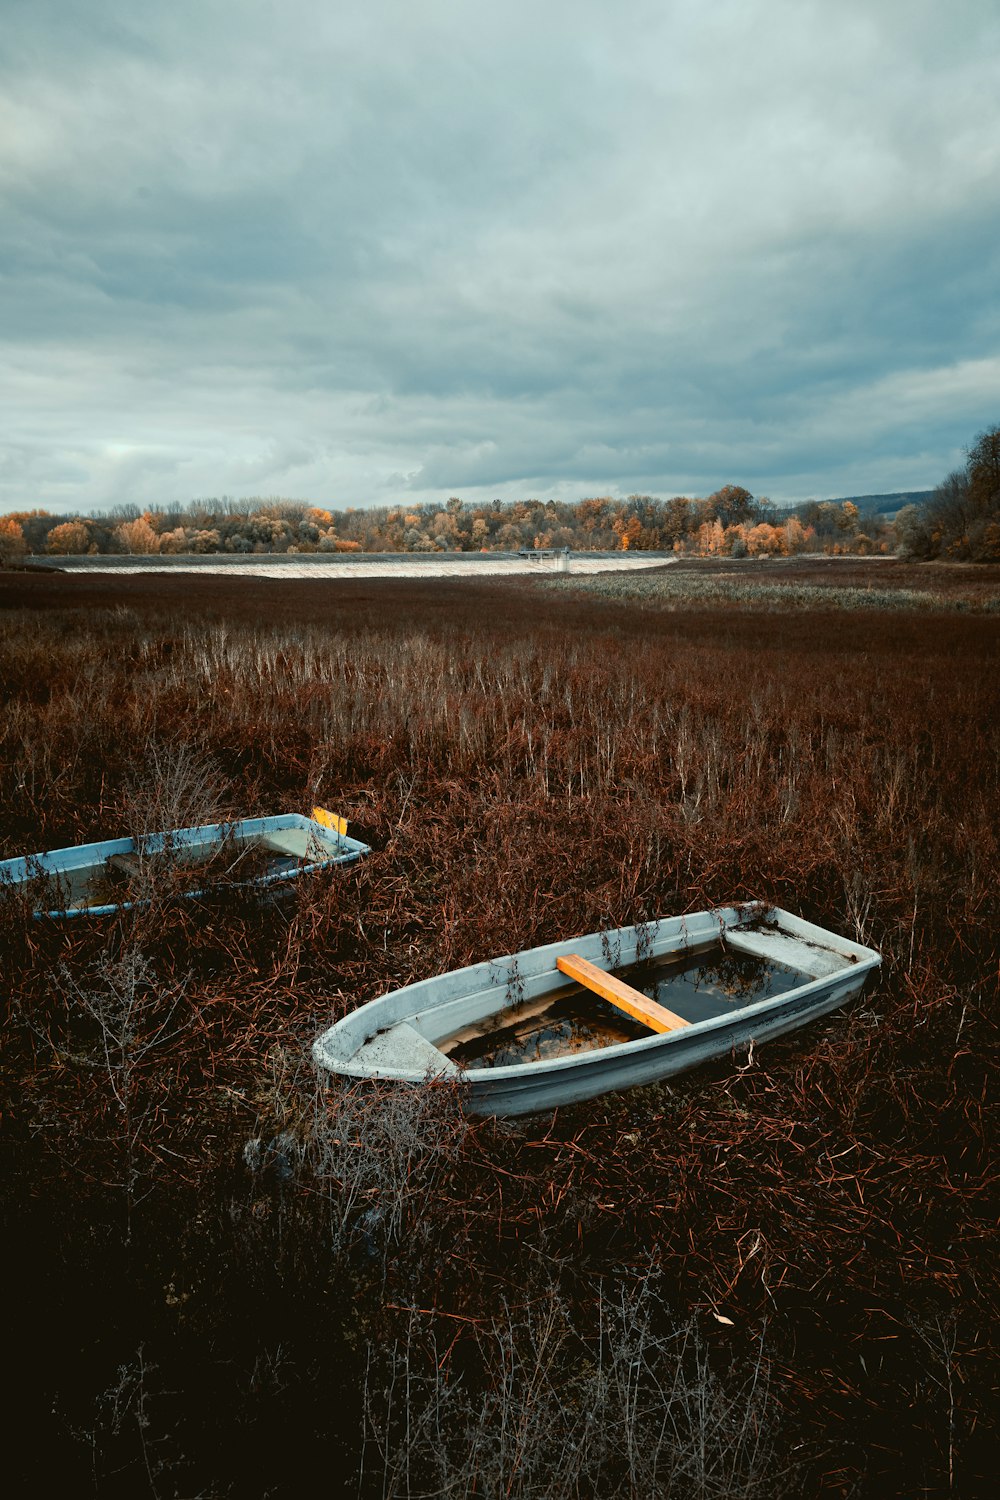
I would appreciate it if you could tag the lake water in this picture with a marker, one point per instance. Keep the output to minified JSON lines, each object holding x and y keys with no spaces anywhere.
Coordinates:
{"x":367,"y":565}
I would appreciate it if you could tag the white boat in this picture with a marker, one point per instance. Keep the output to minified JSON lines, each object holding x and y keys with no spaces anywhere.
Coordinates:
{"x":118,"y":874}
{"x":558,"y":1024}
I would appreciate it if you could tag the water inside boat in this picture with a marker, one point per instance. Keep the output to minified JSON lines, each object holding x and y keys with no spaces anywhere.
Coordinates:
{"x":572,"y":1019}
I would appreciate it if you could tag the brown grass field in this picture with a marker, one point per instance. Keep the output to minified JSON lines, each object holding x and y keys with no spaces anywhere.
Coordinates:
{"x":776,"y":1276}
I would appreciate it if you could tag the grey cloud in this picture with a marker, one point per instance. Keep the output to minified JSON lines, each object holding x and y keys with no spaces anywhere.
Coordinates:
{"x":323,"y":248}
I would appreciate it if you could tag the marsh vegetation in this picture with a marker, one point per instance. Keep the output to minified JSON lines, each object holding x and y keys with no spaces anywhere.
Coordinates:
{"x":778,"y":1274}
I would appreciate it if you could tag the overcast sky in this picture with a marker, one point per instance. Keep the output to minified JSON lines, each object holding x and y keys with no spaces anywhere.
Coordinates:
{"x":404,"y":249}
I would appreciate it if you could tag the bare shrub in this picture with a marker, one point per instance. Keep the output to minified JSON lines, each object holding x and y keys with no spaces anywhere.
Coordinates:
{"x":379,"y":1149}
{"x":538,"y":1407}
{"x":134,"y":1446}
{"x":938,"y":1333}
{"x":119,"y":1025}
{"x":176,"y":786}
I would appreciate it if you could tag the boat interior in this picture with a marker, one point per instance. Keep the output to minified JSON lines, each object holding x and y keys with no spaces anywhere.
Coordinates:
{"x":93,"y":877}
{"x":580,"y":1017}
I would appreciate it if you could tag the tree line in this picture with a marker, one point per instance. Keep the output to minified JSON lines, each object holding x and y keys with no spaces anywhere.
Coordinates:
{"x":961,"y":520}
{"x":731,"y":522}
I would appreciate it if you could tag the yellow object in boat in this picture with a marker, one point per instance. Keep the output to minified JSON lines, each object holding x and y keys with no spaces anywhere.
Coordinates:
{"x":330,"y":820}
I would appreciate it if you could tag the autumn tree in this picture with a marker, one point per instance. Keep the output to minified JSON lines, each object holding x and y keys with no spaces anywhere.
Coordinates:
{"x":592,"y":515}
{"x":983,"y":470}
{"x":628,"y":530}
{"x":137,"y":536}
{"x":991,"y":542}
{"x":12,"y":543}
{"x":795,"y":535}
{"x":732,"y":505}
{"x":950,"y":513}
{"x":710,"y":539}
{"x":676,"y":522}
{"x":983,"y":475}
{"x":847,"y":520}
{"x":206,"y":540}
{"x":765,"y":541}
{"x":35,"y":526}
{"x":70,"y":539}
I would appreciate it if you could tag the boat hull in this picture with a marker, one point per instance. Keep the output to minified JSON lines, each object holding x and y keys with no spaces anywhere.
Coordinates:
{"x":664,"y":1057}
{"x":395,"y":1036}
{"x":297,"y":845}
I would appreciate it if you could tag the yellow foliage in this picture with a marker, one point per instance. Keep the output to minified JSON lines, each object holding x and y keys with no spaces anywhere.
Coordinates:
{"x":12,"y":543}
{"x":71,"y":537}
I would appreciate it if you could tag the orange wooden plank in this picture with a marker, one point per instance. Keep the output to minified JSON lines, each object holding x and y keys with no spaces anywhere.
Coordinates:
{"x":656,"y":1017}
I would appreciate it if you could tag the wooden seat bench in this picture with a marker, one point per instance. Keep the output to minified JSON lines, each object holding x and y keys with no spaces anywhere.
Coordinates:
{"x":633,"y":1002}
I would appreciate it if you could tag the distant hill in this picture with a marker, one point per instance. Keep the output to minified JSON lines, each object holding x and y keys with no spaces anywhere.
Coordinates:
{"x":885,"y":505}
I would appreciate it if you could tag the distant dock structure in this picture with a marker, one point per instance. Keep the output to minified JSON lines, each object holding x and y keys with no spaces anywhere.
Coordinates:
{"x":559,"y":555}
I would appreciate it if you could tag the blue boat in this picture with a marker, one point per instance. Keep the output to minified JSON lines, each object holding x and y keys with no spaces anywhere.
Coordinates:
{"x":558,"y":1024}
{"x":118,"y":874}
